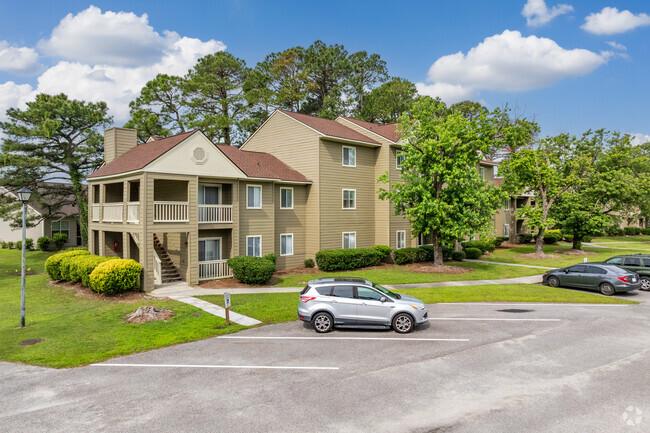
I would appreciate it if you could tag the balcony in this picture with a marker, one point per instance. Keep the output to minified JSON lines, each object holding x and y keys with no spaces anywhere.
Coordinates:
{"x":215,"y":213}
{"x":95,"y":210}
{"x":113,"y":212}
{"x":170,"y":212}
{"x":213,"y":269}
{"x":132,"y":212}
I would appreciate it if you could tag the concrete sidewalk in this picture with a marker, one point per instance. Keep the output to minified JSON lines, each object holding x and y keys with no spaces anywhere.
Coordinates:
{"x":509,"y":264}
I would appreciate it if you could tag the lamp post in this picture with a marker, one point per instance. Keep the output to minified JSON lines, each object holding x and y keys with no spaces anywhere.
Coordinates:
{"x":23,"y":195}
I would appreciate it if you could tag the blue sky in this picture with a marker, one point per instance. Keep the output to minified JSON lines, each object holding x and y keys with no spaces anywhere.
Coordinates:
{"x":571,"y":66}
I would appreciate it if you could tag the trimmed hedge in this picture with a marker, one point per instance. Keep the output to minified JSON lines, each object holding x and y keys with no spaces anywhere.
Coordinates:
{"x":404,"y":256}
{"x":82,"y":266}
{"x":271,"y":257}
{"x":632,"y":231}
{"x":552,"y":238}
{"x":59,"y":239}
{"x":43,"y":243}
{"x":458,"y":256}
{"x":348,"y":259}
{"x":646,"y":231}
{"x":385,"y":251}
{"x":115,"y":276}
{"x":473,"y":253}
{"x":484,"y":245}
{"x":252,"y":270}
{"x":524,"y":238}
{"x":499,"y":240}
{"x":615,"y":231}
{"x":53,"y":263}
{"x":309,"y":263}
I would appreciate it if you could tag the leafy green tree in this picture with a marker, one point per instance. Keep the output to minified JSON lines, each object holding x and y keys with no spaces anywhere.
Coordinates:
{"x":161,"y":109}
{"x":285,"y":78}
{"x":441,"y":191}
{"x":386,"y":103}
{"x":366,"y":70}
{"x":51,"y":147}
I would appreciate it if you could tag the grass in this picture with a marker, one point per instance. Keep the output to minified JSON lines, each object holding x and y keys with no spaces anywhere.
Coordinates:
{"x":269,"y":308}
{"x":10,"y":261}
{"x":642,"y":238}
{"x":400,"y":275}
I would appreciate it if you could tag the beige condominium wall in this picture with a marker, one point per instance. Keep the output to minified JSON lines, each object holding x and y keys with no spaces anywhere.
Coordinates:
{"x":291,"y":221}
{"x":398,"y":222}
{"x":297,"y":146}
{"x":333,"y":179}
{"x":257,"y":222}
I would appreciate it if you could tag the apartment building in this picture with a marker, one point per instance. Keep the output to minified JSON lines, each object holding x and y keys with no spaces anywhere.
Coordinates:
{"x":182,"y":205}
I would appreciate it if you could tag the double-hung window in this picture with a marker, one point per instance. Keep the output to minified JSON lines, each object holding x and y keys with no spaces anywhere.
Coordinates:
{"x":349,"y":240}
{"x":254,"y":246}
{"x":286,"y":198}
{"x":349,"y":156}
{"x":349,"y":199}
{"x":286,"y":244}
{"x":61,"y":227}
{"x":253,"y":197}
{"x":401,"y":239}
{"x":399,"y":159}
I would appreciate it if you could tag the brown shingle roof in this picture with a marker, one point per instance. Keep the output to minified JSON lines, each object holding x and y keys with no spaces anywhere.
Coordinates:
{"x":141,"y":155}
{"x":261,"y":165}
{"x":330,"y":127}
{"x":388,"y":130}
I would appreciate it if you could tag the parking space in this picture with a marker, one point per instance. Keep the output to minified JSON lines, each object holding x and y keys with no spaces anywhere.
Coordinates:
{"x":471,"y":363}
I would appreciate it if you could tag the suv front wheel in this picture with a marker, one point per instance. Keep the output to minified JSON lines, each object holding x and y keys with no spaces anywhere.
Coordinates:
{"x":322,"y":322}
{"x":403,"y":323}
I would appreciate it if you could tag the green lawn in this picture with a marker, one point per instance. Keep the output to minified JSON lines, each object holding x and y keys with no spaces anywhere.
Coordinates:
{"x":267,"y":307}
{"x":643,"y":238}
{"x":10,"y":261}
{"x":400,"y":275}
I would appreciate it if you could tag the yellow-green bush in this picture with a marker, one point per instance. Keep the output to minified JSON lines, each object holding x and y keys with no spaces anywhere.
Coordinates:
{"x":115,"y":276}
{"x":53,"y":263}
{"x":80,"y":267}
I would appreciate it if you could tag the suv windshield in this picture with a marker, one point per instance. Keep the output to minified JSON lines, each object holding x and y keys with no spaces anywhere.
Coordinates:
{"x":387,"y":292}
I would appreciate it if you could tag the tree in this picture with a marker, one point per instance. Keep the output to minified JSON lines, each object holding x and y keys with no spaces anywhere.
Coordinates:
{"x":161,"y":109}
{"x":441,"y":191}
{"x":284,"y":76}
{"x":217,"y":97}
{"x":386,"y":103}
{"x":545,"y":169}
{"x":365,"y":72}
{"x":54,"y":141}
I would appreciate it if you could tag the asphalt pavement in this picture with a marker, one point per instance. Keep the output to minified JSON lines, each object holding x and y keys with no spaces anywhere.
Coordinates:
{"x":473,"y":368}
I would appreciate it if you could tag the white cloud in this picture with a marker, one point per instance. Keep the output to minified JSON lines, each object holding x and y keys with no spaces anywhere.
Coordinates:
{"x":639,"y":138}
{"x":616,"y":46}
{"x":537,"y":13}
{"x":13,"y":95}
{"x":448,"y":93}
{"x":511,"y":62}
{"x":18,"y":60}
{"x":610,"y":21}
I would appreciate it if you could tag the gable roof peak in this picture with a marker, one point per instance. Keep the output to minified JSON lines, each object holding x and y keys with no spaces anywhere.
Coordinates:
{"x":329,"y":128}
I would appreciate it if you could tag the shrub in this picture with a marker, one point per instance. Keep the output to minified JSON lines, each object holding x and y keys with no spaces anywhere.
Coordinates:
{"x":10,"y":245}
{"x":59,"y":239}
{"x":524,"y":238}
{"x":252,"y":270}
{"x":447,"y":252}
{"x":499,"y":240}
{"x":43,"y":243}
{"x":29,"y":243}
{"x":632,"y":231}
{"x":458,"y":256}
{"x":405,"y":256}
{"x":19,"y":245}
{"x":309,"y":263}
{"x":385,"y":252}
{"x":615,"y":231}
{"x":483,"y":245}
{"x":81,"y":266}
{"x":53,"y":263}
{"x":473,"y":253}
{"x":271,"y":257}
{"x":429,"y":252}
{"x":587,"y":238}
{"x":352,"y":258}
{"x":4,"y":244}
{"x":554,"y":232}
{"x":115,"y":276}
{"x":645,"y":231}
{"x":568,"y":238}
{"x":551,"y":238}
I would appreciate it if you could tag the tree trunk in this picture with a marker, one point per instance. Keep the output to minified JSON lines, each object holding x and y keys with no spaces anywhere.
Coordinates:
{"x":82,"y":204}
{"x":577,"y":243}
{"x":437,"y":249}
{"x":539,"y":242}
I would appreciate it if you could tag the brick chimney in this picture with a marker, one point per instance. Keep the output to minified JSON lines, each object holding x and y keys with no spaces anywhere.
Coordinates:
{"x":118,"y":141}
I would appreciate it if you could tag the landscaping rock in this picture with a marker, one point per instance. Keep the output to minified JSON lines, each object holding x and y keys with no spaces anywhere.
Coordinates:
{"x":149,"y":313}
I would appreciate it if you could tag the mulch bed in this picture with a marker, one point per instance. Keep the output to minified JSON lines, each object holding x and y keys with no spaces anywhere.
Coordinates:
{"x":538,"y":256}
{"x":572,"y":252}
{"x":429,"y":268}
{"x":85,"y":292}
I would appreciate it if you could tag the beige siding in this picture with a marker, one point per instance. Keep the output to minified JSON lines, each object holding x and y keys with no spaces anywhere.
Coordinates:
{"x":398,"y":222}
{"x":291,"y":221}
{"x":254,"y":222}
{"x":118,"y":141}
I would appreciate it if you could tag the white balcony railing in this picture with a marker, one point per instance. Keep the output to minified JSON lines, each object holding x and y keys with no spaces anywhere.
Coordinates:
{"x":170,"y":211}
{"x":214,"y":269}
{"x":215,"y":213}
{"x":133,"y":212}
{"x":95,"y":212}
{"x":113,"y":212}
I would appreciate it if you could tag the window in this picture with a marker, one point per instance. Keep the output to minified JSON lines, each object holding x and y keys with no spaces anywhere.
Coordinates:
{"x":349,"y":240}
{"x":349,"y":199}
{"x":481,"y":171}
{"x":506,"y":230}
{"x":614,"y":261}
{"x":254,"y":246}
{"x":253,"y":197}
{"x":324,"y":290}
{"x":368,"y":294}
{"x":286,"y":198}
{"x":286,"y":244}
{"x":61,"y":227}
{"x":577,"y":269}
{"x":343,"y":291}
{"x":401,"y":239}
{"x":595,"y":270}
{"x":646,"y":263}
{"x":632,"y":261}
{"x":399,"y":159}
{"x":209,"y":194}
{"x":209,"y":249}
{"x":349,"y":156}
{"x":506,"y":204}
{"x":420,"y":240}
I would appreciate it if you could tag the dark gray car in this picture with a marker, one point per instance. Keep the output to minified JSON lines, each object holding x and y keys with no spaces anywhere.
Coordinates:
{"x":607,"y":279}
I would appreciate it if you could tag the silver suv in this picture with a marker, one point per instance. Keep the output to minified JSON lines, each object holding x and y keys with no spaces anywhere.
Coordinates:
{"x":355,"y":302}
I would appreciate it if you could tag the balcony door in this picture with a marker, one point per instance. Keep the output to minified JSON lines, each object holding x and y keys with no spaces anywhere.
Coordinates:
{"x":209,"y":194}
{"x":209,"y":249}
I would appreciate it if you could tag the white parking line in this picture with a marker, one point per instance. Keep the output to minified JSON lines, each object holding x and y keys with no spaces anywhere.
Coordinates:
{"x":258,"y":367}
{"x":344,"y":338}
{"x":496,"y":319}
{"x":533,"y":304}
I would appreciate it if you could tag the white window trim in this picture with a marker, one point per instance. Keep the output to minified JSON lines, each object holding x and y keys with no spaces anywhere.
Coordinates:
{"x":214,"y":238}
{"x":397,"y":159}
{"x":287,"y":188}
{"x":343,"y":239}
{"x":397,"y":239}
{"x":343,"y":158}
{"x":343,"y":199}
{"x":254,"y":236}
{"x":261,"y":191}
{"x":286,"y":234}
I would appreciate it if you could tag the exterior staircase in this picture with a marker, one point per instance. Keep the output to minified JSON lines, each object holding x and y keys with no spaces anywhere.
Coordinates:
{"x":170,"y":272}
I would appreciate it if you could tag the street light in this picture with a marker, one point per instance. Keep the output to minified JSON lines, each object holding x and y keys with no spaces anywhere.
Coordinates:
{"x":23,"y":195}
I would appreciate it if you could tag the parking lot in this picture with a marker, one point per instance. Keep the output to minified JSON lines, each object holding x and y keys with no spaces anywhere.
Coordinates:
{"x":474,"y":367}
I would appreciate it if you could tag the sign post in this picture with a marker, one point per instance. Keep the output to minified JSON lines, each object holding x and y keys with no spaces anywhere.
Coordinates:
{"x":226,"y":301}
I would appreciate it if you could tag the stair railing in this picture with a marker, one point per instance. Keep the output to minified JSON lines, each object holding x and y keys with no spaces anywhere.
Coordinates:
{"x":157,"y":270}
